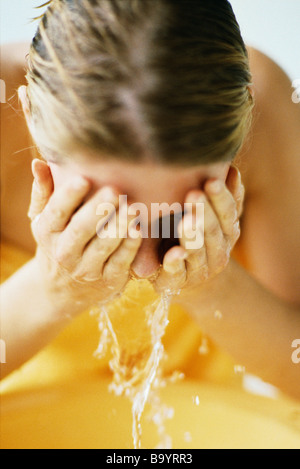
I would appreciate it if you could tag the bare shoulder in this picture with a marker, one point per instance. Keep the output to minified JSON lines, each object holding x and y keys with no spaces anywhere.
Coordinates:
{"x":274,"y":95}
{"x":274,"y":135}
{"x":272,"y":85}
{"x":269,"y":162}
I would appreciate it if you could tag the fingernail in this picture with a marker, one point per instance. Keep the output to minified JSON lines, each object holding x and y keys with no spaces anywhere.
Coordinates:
{"x":216,"y":187}
{"x":183,"y":256}
{"x":172,"y":268}
{"x":108,"y":194}
{"x":201,"y":199}
{"x":79,"y":183}
{"x":175,"y":266}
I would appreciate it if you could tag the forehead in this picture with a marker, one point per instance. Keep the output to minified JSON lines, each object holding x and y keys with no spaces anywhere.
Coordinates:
{"x":143,"y":182}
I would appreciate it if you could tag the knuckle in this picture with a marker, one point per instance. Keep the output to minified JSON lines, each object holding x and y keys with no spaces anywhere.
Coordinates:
{"x":116,"y":265}
{"x":62,"y":256}
{"x":54,"y":215}
{"x":85,"y":276}
{"x":213,"y":229}
{"x":104,"y":252}
{"x":230,"y":216}
{"x":75,"y":234}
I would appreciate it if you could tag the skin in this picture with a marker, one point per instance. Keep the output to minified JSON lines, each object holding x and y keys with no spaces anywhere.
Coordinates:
{"x":71,"y":258}
{"x":72,"y":241}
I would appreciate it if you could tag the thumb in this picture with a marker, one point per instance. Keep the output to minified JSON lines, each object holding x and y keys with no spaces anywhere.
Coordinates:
{"x":235,"y":185}
{"x":42,"y":188}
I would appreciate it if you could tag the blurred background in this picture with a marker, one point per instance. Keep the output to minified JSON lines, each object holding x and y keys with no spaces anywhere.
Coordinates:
{"x":269,"y":25}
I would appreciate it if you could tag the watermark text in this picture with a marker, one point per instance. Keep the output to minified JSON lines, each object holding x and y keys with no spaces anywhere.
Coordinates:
{"x":164,"y":221}
{"x":296,"y":93}
{"x":2,"y":92}
{"x":296,"y":353}
{"x":2,"y":352}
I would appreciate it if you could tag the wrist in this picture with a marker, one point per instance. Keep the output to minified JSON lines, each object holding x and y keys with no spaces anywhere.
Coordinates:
{"x":57,"y":302}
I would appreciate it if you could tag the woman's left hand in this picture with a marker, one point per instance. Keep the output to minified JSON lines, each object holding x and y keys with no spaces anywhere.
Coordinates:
{"x":188,"y":269}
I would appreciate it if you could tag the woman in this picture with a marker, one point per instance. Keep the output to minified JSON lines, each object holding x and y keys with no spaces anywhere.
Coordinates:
{"x":153,"y":100}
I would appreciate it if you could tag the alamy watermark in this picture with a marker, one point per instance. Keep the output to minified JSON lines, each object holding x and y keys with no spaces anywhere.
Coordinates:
{"x":2,"y":92}
{"x":2,"y":352}
{"x":165,"y":219}
{"x":296,"y":93}
{"x":296,"y":353}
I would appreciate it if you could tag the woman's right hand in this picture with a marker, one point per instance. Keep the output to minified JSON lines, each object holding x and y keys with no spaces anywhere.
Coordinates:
{"x":77,"y":266}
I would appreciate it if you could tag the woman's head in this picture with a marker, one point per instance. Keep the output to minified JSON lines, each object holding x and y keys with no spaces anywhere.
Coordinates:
{"x":149,"y":96}
{"x":165,"y":81}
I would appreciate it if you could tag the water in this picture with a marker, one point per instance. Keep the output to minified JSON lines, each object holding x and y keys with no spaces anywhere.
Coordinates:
{"x":239,"y":370}
{"x":132,"y":328}
{"x":204,"y":347}
{"x":196,"y":400}
{"x":218,"y":315}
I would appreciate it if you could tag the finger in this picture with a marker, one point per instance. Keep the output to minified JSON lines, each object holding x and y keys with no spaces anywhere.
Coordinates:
{"x":224,"y":206}
{"x":197,"y":267}
{"x":119,"y":264}
{"x":42,"y":188}
{"x":91,"y":262}
{"x":217,"y":246}
{"x":191,"y":231}
{"x":87,"y":220}
{"x":62,"y":205}
{"x":236,"y":187}
{"x":173,"y":273}
{"x":196,"y":262}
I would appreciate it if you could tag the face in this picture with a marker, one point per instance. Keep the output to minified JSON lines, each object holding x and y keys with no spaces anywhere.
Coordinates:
{"x":145,"y":183}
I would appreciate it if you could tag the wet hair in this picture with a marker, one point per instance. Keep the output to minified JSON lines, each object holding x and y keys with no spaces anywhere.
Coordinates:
{"x":138,"y":79}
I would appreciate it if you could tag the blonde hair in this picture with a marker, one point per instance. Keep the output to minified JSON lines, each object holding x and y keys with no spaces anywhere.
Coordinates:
{"x":132,"y":78}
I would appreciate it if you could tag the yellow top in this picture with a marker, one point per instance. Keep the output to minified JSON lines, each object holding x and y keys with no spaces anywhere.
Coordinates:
{"x":60,"y":399}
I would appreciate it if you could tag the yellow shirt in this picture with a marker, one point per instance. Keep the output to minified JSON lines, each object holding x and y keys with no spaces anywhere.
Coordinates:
{"x":60,"y":398}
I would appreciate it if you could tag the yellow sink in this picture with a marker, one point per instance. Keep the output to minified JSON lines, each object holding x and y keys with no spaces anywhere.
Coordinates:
{"x":86,"y":416}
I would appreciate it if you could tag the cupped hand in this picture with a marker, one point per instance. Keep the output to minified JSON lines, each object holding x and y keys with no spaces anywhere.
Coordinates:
{"x":186,"y":268}
{"x":80,"y":261}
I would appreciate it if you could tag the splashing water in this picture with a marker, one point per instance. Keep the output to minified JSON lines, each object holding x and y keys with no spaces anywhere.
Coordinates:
{"x":239,"y":370}
{"x":218,"y":315}
{"x":132,"y":328}
{"x":204,"y":347}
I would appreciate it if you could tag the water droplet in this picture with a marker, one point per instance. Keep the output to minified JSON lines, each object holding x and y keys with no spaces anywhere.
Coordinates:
{"x":239,"y":370}
{"x":204,"y":349}
{"x":170,"y":413}
{"x":188,"y":437}
{"x":218,"y":315}
{"x":196,"y":400}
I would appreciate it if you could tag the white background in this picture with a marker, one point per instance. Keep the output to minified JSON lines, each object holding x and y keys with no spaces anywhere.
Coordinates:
{"x":272,"y":26}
